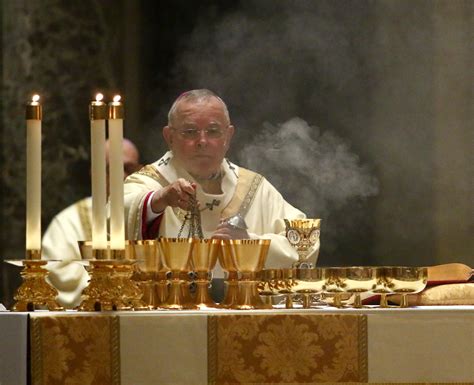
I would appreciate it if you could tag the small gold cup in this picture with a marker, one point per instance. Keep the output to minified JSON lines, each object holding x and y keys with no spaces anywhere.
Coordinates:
{"x":176,"y":253}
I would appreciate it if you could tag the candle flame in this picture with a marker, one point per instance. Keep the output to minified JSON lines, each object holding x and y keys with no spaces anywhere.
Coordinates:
{"x":35,"y":98}
{"x":117,"y":98}
{"x":99,"y":97}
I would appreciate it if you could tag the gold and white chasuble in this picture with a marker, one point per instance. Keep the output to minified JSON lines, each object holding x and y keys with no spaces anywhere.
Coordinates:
{"x":263,"y":209}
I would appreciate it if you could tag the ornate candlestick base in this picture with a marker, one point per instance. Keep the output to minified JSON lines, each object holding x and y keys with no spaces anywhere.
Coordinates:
{"x":35,"y":293}
{"x":99,"y":294}
{"x":127,"y":295}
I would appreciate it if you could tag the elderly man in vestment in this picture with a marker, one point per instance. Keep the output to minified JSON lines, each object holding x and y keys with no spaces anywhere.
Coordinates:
{"x":73,"y":224}
{"x":157,"y":197}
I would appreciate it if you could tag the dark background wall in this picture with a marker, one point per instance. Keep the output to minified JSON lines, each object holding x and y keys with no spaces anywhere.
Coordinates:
{"x":360,"y":112}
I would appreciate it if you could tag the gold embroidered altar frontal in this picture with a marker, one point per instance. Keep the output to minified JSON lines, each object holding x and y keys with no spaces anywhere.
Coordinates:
{"x":75,"y":350}
{"x":287,"y":348}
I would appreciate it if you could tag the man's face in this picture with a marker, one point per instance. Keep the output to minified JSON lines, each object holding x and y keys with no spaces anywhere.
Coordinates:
{"x":199,"y":136}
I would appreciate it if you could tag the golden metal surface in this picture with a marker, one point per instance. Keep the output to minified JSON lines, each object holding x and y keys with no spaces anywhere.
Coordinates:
{"x":204,"y":258}
{"x":406,"y":280}
{"x":176,"y":253}
{"x":35,"y":293}
{"x":98,"y":110}
{"x":303,"y":234}
{"x":115,"y":110}
{"x":33,"y":111}
{"x":248,"y":256}
{"x":33,"y":254}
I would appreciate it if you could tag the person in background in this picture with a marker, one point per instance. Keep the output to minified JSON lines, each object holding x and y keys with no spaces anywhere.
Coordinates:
{"x":157,"y":198}
{"x":73,"y":224}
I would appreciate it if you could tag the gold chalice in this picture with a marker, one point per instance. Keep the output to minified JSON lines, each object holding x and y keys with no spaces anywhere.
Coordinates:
{"x":303,"y":235}
{"x":248,"y":256}
{"x":148,"y":258}
{"x":334,"y":284}
{"x":308,"y":282}
{"x":359,"y":279}
{"x":232,"y":283}
{"x":406,"y":280}
{"x":204,"y":258}
{"x":176,"y":253}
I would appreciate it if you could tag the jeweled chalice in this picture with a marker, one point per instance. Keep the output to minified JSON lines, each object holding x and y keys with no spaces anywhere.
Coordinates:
{"x":204,"y":258}
{"x":176,"y":254}
{"x":406,"y":280}
{"x":303,"y":235}
{"x":249,"y":257}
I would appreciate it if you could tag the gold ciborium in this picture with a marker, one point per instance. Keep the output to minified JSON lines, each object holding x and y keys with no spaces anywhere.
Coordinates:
{"x":232,"y":283}
{"x":406,"y":280}
{"x":268,"y":285}
{"x":286,"y":286}
{"x":148,"y":265}
{"x":303,"y":235}
{"x":249,"y":257}
{"x":334,"y":284}
{"x":204,"y":258}
{"x":383,"y":286}
{"x":176,"y":253}
{"x":308,"y":282}
{"x":359,"y":279}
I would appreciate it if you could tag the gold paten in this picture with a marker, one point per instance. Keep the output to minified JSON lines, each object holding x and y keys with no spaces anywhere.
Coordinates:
{"x":303,"y":234}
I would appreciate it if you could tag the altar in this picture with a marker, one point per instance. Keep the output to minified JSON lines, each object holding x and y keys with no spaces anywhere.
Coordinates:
{"x":422,"y":345}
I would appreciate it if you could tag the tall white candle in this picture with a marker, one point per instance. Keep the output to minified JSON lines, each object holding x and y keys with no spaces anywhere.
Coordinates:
{"x":98,"y":114}
{"x":33,"y":176}
{"x":117,"y":225}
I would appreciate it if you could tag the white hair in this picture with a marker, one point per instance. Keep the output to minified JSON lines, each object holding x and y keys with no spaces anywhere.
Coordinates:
{"x":195,"y":96}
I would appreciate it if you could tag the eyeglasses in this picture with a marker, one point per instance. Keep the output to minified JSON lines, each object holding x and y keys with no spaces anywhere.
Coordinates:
{"x":192,"y":133}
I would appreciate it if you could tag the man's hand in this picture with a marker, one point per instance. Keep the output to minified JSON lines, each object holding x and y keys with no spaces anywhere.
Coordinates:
{"x":178,"y":194}
{"x":227,"y":231}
